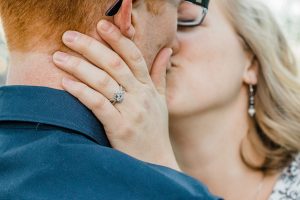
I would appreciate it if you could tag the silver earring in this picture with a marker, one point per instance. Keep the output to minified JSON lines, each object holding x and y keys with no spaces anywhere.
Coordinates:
{"x":251,"y":109}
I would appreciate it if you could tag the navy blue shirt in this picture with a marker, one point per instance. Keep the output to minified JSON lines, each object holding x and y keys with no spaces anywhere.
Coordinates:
{"x":53,"y":147}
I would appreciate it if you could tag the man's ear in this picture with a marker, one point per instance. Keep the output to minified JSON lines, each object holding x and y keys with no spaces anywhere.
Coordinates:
{"x":123,"y":19}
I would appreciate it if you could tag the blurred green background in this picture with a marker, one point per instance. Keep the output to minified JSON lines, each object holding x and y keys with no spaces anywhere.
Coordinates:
{"x":286,"y":11}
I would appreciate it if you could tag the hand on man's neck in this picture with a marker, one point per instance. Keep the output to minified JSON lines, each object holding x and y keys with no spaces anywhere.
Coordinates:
{"x":34,"y":69}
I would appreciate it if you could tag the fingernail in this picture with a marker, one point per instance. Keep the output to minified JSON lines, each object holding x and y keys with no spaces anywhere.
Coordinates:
{"x":60,"y":57}
{"x":70,"y":36}
{"x":104,"y":26}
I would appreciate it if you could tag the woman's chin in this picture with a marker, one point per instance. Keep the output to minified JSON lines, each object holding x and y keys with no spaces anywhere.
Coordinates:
{"x":174,"y":107}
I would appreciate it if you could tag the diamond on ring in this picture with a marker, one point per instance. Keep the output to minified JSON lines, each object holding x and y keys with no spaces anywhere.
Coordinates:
{"x":118,"y":96}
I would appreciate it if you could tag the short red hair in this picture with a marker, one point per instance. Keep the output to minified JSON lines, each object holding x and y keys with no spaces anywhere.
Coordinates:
{"x":30,"y":24}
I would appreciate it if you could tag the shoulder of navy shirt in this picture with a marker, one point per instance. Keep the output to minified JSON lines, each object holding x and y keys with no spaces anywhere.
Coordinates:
{"x":53,"y":147}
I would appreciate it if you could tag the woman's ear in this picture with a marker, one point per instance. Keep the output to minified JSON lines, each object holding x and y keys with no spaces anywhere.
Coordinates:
{"x":251,"y":70}
{"x":123,"y":19}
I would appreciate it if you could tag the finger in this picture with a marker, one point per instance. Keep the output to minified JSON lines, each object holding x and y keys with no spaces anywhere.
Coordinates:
{"x":90,"y":75}
{"x":95,"y":101}
{"x":126,"y":49}
{"x":102,"y":57}
{"x":159,"y":69}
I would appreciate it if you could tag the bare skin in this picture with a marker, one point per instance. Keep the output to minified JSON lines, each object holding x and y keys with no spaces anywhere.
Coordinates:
{"x":36,"y":67}
{"x":207,"y":96}
{"x":133,"y":114}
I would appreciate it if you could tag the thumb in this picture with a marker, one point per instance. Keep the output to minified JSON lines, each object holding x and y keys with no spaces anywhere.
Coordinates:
{"x":159,"y":70}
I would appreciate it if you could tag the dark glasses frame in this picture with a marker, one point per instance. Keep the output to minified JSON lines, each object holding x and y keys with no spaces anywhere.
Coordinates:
{"x":203,"y":3}
{"x":117,"y":5}
{"x":114,"y":9}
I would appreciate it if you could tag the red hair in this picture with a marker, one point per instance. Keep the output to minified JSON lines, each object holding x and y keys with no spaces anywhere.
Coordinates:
{"x":29,"y":24}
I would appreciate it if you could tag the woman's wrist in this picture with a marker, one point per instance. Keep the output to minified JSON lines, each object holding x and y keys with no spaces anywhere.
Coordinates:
{"x":172,"y":163}
{"x":168,"y":159}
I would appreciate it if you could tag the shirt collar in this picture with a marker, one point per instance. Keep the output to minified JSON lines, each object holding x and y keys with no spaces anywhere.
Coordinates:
{"x":49,"y":106}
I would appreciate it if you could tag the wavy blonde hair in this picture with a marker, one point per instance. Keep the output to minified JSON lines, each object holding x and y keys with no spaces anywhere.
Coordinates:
{"x":278,"y":91}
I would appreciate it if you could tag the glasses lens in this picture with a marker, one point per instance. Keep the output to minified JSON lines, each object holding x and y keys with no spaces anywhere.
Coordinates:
{"x":190,"y":14}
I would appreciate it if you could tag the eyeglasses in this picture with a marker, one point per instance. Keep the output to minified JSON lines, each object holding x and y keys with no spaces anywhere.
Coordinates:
{"x":114,"y":9}
{"x":190,"y":12}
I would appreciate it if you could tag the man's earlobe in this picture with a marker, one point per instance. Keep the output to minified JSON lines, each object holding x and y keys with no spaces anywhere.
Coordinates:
{"x":123,"y":19}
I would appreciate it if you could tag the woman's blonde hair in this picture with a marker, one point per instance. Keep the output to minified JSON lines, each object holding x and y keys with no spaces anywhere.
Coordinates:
{"x":278,"y":91}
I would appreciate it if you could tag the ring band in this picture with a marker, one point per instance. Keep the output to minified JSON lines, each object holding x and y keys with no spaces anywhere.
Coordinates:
{"x":118,"y":96}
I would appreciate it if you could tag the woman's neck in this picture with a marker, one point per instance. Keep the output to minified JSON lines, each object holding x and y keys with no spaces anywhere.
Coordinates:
{"x":209,"y":138}
{"x":207,"y":147}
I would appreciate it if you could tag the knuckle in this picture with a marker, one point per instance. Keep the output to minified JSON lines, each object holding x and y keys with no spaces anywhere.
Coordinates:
{"x":104,"y":81}
{"x":80,"y":90}
{"x":116,"y":63}
{"x":125,"y":77}
{"x":140,"y":116}
{"x":75,"y":64}
{"x":98,"y":104}
{"x":86,"y":44}
{"x":127,"y":132}
{"x":136,"y":56}
{"x":116,"y":36}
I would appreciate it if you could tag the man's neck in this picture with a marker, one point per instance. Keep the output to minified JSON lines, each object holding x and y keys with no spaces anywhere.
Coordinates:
{"x":36,"y":69}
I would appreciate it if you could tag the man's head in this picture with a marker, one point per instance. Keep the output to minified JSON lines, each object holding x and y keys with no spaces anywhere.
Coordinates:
{"x":37,"y":26}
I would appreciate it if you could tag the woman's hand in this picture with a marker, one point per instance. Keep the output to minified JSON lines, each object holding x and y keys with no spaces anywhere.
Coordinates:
{"x":138,"y":125}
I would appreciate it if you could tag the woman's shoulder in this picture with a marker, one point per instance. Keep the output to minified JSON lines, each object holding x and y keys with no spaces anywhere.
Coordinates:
{"x":288,"y":184}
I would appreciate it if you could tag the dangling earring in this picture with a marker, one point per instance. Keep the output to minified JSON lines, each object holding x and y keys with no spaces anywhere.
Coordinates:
{"x":251,"y":109}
